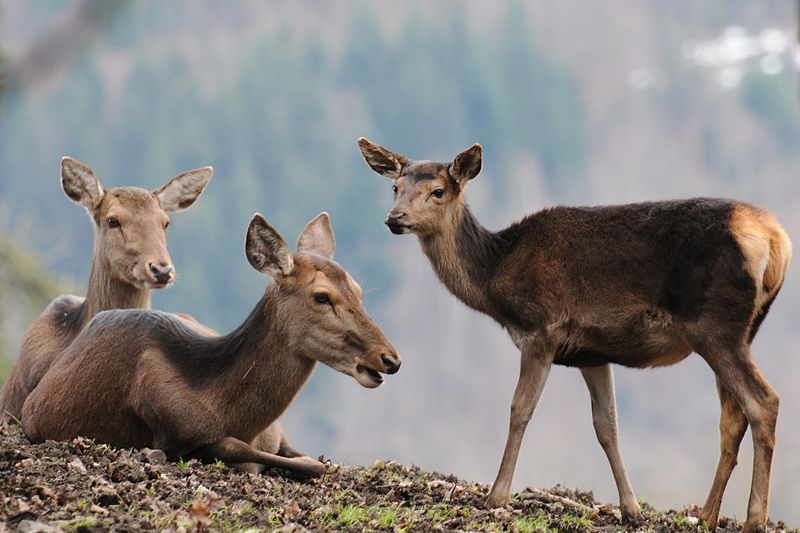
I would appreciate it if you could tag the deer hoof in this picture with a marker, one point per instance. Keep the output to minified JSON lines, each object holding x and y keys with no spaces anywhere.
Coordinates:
{"x":631,"y":512}
{"x":754,"y":528}
{"x":710,"y":522}
{"x":496,"y":500}
{"x":308,"y":467}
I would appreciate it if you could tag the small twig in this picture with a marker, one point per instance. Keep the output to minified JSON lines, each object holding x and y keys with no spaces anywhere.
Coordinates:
{"x":14,"y":418}
{"x":452,"y":491}
{"x":537,"y":494}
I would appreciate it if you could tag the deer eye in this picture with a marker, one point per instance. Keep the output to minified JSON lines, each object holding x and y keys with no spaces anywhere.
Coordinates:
{"x":322,"y":298}
{"x":113,"y":222}
{"x":394,"y":189}
{"x":438,"y":193}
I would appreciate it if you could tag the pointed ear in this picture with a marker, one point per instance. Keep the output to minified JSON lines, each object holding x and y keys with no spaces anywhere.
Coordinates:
{"x":80,"y":183}
{"x":317,"y":237}
{"x":180,"y":192}
{"x":382,"y":160}
{"x":266,"y":250}
{"x":467,"y":164}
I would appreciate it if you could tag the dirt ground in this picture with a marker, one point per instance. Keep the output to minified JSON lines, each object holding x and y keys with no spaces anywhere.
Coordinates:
{"x":83,"y":486}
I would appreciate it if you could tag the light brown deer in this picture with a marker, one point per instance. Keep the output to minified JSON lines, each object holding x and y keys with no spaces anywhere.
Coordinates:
{"x":640,"y":285}
{"x":145,"y":378}
{"x":130,"y":259}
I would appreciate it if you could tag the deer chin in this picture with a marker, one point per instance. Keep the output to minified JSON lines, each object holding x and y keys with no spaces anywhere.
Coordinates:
{"x":140,"y":280}
{"x":367,"y":377}
{"x":399,"y":229}
{"x":149,"y":284}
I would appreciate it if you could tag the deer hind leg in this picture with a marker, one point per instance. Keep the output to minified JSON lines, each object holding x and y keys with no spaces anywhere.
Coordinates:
{"x":739,"y":375}
{"x":600,"y":381}
{"x":232,"y":450}
{"x":732,"y":426}
{"x":533,"y":373}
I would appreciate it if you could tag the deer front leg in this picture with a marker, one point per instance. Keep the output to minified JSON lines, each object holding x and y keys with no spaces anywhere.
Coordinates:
{"x":533,"y":373}
{"x":732,"y":426}
{"x":286,"y":449}
{"x":232,"y":450}
{"x":600,"y":381}
{"x":271,"y":440}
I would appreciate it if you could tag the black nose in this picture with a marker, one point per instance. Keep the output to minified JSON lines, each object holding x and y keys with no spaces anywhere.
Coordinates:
{"x":394,"y":218}
{"x":395,"y":222}
{"x":391,"y":363}
{"x":162,"y":273}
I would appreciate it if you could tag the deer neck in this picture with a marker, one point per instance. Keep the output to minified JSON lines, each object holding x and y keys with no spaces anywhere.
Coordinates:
{"x":268,"y":370}
{"x":108,"y":292}
{"x":464,"y":256}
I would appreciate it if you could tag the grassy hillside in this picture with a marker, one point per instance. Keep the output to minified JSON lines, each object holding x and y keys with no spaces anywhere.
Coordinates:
{"x":574,"y":102}
{"x":80,"y":486}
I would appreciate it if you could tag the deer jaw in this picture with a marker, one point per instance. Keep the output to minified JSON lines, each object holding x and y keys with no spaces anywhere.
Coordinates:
{"x":323,"y":300}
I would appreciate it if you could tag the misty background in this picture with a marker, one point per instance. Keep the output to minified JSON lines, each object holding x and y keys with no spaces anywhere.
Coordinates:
{"x":574,"y":103}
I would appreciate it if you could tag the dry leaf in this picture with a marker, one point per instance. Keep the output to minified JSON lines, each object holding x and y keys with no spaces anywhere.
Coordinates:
{"x":99,"y":510}
{"x":292,"y":510}
{"x":199,"y":513}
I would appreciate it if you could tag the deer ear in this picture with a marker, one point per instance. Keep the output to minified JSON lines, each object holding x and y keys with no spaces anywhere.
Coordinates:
{"x":266,"y":250}
{"x":467,"y":164}
{"x":80,"y":183}
{"x":382,"y":160}
{"x":317,"y":237}
{"x":180,"y":192}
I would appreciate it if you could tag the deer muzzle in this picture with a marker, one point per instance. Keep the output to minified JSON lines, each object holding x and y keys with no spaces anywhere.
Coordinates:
{"x":368,"y":369}
{"x":160,"y":274}
{"x":397,"y":222}
{"x":391,"y":363}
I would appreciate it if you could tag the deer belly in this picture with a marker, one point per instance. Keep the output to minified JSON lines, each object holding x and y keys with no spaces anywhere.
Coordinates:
{"x":638,"y":347}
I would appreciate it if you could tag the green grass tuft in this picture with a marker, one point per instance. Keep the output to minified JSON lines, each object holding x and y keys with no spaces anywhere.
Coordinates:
{"x":441,"y":512}
{"x":539,"y":523}
{"x":350,"y":516}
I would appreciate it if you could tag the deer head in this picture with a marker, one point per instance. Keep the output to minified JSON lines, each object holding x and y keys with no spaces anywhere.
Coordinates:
{"x":320,"y":302}
{"x":426,"y":193}
{"x":130,"y":223}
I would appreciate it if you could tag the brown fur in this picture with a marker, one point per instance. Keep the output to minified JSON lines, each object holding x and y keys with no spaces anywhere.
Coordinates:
{"x":208,"y":397}
{"x":641,"y":285}
{"x":120,"y":277}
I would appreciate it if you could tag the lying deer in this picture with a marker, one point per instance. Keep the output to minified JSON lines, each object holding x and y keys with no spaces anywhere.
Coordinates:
{"x":193,"y":395}
{"x":130,"y":259}
{"x":641,"y":285}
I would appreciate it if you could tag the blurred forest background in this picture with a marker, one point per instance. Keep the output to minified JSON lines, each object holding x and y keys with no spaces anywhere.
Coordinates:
{"x":574,"y":102}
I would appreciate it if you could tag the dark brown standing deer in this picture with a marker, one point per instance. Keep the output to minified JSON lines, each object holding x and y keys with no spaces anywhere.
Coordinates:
{"x":145,"y":378}
{"x":641,"y":285}
{"x":130,"y":259}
